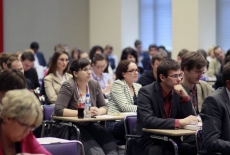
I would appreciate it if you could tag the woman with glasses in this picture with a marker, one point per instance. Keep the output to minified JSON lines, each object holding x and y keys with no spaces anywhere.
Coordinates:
{"x":123,"y":96}
{"x":66,"y":105}
{"x":104,"y":79}
{"x":20,"y":113}
{"x":57,"y":74}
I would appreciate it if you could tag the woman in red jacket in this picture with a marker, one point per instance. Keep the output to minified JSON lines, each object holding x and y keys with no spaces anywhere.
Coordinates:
{"x":20,"y":113}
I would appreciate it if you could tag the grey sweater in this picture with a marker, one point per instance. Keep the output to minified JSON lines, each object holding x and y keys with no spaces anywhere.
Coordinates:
{"x":68,"y":96}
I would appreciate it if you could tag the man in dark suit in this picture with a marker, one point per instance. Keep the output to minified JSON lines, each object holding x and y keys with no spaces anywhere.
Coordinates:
{"x":37,"y":54}
{"x":164,"y":104}
{"x":215,"y":115}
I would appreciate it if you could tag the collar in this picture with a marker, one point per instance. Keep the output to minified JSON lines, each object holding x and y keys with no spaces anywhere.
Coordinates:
{"x":95,"y":76}
{"x":164,"y":93}
{"x":188,"y":89}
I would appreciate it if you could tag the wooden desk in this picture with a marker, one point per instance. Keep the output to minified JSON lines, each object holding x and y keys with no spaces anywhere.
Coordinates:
{"x":173,"y":132}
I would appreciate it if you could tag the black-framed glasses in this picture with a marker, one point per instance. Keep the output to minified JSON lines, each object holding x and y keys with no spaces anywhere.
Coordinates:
{"x":26,"y":126}
{"x":176,"y":76}
{"x":133,"y":70}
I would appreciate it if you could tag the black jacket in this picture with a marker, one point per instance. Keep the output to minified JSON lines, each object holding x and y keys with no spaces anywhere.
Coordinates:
{"x":146,"y":78}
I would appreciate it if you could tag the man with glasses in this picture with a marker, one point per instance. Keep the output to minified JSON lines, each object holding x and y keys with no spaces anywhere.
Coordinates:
{"x":164,"y":104}
{"x":193,"y":65}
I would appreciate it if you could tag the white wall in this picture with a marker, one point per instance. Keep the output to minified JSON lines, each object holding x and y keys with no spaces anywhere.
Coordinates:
{"x":46,"y":21}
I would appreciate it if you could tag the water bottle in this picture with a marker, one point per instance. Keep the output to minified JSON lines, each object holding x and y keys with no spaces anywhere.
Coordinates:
{"x":87,"y":106}
{"x":80,"y":107}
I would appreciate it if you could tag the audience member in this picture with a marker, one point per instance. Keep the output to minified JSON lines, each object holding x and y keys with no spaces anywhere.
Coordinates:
{"x":66,"y":105}
{"x":146,"y":61}
{"x":150,"y":76}
{"x":99,"y":64}
{"x":113,"y":61}
{"x":74,"y":54}
{"x":216,"y":65}
{"x":141,"y":55}
{"x":130,"y":54}
{"x":210,"y":54}
{"x":82,"y":55}
{"x":57,"y":74}
{"x":180,"y":54}
{"x":11,"y":79}
{"x":219,"y":82}
{"x":27,"y":59}
{"x":39,"y":57}
{"x":14,"y":62}
{"x":3,"y":60}
{"x":215,"y":117}
{"x":164,"y":104}
{"x":20,"y":114}
{"x":123,"y":96}
{"x":193,"y":65}
{"x":95,"y":50}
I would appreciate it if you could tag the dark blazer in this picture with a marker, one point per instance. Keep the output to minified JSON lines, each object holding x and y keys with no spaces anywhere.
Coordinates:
{"x":150,"y":114}
{"x":215,"y":115}
{"x":146,"y":62}
{"x":32,"y":75}
{"x":41,"y":58}
{"x":146,"y":78}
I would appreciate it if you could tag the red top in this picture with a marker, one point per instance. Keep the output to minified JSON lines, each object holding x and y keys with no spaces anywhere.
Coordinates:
{"x":30,"y":145}
{"x":168,"y":105}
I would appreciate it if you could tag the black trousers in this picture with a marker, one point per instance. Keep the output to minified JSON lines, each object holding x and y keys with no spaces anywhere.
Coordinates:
{"x":97,"y":140}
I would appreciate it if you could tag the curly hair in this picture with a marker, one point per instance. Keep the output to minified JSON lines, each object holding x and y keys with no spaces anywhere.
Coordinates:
{"x":121,"y":68}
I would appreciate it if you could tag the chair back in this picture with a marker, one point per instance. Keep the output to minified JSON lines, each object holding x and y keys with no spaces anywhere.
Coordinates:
{"x":199,"y":140}
{"x":130,"y":122}
{"x":69,"y":148}
{"x":47,"y":110}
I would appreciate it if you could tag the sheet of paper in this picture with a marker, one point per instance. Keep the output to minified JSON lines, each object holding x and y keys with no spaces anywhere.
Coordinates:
{"x":105,"y":116}
{"x":50,"y":140}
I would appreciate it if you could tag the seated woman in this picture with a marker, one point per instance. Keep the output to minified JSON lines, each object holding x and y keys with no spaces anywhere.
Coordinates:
{"x":104,"y":79}
{"x":123,"y":96}
{"x":20,"y":113}
{"x":130,"y":54}
{"x":66,"y":105}
{"x":57,"y":74}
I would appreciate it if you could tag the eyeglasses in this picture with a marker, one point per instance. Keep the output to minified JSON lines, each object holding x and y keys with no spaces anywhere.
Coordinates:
{"x":199,"y":72}
{"x":26,"y":126}
{"x":133,"y":71}
{"x":86,"y":69}
{"x":176,"y":76}
{"x":63,"y":60}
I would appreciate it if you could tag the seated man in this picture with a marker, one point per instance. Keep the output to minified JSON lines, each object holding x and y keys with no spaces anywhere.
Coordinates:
{"x":193,"y":65}
{"x":216,"y":117}
{"x":150,"y":76}
{"x":164,"y":104}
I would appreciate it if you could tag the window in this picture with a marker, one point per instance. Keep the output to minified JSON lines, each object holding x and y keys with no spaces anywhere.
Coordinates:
{"x":156,"y":23}
{"x":223,"y":24}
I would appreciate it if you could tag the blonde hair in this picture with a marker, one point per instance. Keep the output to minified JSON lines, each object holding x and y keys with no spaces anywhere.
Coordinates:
{"x":21,"y":105}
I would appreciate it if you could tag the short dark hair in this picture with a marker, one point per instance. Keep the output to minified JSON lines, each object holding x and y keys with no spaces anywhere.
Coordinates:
{"x":157,"y":56}
{"x":12,"y":79}
{"x":137,"y":42}
{"x":165,"y":66}
{"x":109,"y":47}
{"x":226,"y":73}
{"x":93,"y":51}
{"x":78,"y":64}
{"x":53,"y":63}
{"x":193,"y":59}
{"x":11,"y":60}
{"x":227,"y":59}
{"x":34,"y":45}
{"x":98,"y":57}
{"x":128,"y":51}
{"x":152,"y":46}
{"x":182,"y":52}
{"x":80,"y":53}
{"x":27,"y":56}
{"x":3,"y":58}
{"x":121,"y":68}
{"x":203,"y":52}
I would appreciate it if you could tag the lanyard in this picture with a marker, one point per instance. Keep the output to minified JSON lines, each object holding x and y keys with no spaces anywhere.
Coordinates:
{"x":87,"y":89}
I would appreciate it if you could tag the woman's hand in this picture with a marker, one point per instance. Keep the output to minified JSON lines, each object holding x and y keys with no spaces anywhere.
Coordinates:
{"x":94,"y":111}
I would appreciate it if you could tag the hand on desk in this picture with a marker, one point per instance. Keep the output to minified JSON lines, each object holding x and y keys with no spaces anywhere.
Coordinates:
{"x":188,"y":120}
{"x":94,"y":111}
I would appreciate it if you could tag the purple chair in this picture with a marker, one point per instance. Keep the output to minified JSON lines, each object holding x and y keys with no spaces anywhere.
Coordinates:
{"x":69,"y":148}
{"x":47,"y":112}
{"x":130,"y":122}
